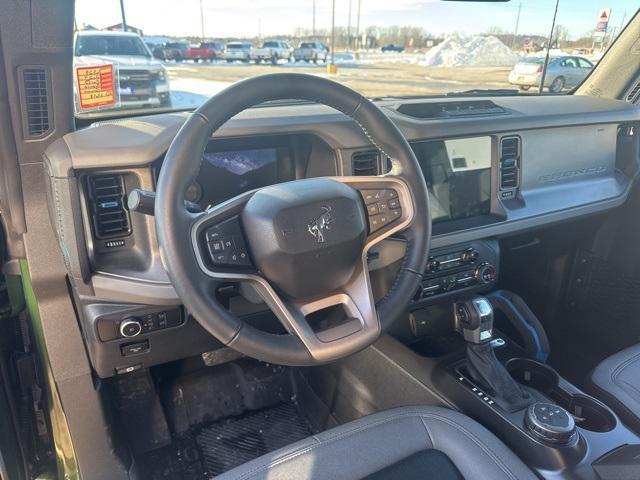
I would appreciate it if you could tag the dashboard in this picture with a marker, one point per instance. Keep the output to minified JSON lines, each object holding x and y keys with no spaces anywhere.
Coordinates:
{"x":519,"y":164}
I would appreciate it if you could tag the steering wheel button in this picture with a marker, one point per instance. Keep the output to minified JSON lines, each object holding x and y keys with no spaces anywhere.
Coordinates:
{"x":389,"y":194}
{"x":373,"y":209}
{"x":393,"y":203}
{"x":375,"y":223}
{"x":369,"y":196}
{"x":219,"y":258}
{"x":216,"y":246}
{"x":213,"y":234}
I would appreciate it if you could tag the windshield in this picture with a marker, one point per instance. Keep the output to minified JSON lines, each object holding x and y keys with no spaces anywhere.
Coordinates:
{"x":110,"y":45}
{"x":382,"y":49}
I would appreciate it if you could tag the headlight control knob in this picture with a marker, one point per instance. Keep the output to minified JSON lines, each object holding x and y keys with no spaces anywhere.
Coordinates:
{"x":130,"y":327}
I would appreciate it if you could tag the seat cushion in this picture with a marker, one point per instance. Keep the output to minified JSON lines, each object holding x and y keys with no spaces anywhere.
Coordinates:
{"x":435,"y":442}
{"x":616,"y":381}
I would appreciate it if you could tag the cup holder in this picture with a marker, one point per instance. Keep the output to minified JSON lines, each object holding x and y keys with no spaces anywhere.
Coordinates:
{"x":588,"y":412}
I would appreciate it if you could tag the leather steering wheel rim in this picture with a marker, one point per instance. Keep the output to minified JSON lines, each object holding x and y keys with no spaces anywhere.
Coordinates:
{"x":180,"y":256}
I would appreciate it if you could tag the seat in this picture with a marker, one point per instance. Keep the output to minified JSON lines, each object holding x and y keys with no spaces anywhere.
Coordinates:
{"x":616,"y":381}
{"x":408,"y":443}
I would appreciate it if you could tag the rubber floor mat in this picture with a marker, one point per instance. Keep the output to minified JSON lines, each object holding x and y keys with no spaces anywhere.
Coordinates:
{"x":231,"y":442}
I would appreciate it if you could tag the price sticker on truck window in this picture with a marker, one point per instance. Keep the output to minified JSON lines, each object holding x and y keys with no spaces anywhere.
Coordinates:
{"x":96,"y":86}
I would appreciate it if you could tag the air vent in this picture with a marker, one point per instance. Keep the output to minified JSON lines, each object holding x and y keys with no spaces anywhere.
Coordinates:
{"x":34,"y":92}
{"x":106,"y":199}
{"x":509,"y":162}
{"x":365,"y":164}
{"x":634,"y":94}
{"x":450,"y":109}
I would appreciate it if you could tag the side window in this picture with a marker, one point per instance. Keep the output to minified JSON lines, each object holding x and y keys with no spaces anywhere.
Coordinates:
{"x":571,"y":63}
{"x":584,"y":63}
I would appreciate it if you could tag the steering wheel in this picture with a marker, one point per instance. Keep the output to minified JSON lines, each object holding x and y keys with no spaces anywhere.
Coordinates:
{"x":302,"y":244}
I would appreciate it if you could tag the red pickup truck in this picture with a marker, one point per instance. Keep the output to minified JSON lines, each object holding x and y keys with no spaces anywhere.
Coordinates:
{"x":180,"y":51}
{"x":206,"y":51}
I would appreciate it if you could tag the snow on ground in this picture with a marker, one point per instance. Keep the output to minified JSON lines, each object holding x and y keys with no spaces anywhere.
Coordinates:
{"x":193,"y":92}
{"x":478,"y":51}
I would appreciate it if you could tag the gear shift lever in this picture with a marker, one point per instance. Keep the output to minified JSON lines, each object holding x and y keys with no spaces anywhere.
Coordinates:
{"x":474,"y":320}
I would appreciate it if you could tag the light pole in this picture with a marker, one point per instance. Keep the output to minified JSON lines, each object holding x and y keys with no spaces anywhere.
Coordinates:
{"x":515,"y":32}
{"x":349,"y":28}
{"x":546,"y":58}
{"x":313,"y":29}
{"x":124,"y":18}
{"x":358,"y":26}
{"x":331,"y":68}
{"x":201,"y":21}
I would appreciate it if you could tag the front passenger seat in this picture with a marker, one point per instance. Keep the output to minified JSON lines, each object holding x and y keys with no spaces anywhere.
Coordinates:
{"x":409,"y":443}
{"x":616,"y":381}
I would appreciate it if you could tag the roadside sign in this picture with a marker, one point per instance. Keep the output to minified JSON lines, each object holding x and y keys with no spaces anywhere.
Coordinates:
{"x":603,"y":23}
{"x":96,"y":86}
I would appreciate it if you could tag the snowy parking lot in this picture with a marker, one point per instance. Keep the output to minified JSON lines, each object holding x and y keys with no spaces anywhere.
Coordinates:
{"x":456,"y":64}
{"x":373,"y":74}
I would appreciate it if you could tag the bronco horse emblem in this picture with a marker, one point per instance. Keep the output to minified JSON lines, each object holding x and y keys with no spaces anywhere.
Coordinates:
{"x":322,"y":223}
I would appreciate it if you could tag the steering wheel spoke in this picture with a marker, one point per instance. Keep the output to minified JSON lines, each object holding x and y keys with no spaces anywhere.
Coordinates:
{"x":332,"y":325}
{"x":389,"y":204}
{"x":219,"y":240}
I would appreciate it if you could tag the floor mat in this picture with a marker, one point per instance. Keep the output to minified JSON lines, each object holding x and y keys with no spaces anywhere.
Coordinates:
{"x":231,"y":442}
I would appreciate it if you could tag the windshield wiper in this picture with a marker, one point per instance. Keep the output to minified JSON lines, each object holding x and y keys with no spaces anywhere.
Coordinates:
{"x":485,"y":92}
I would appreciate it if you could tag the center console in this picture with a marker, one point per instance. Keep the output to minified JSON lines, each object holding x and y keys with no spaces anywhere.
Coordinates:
{"x":558,"y":430}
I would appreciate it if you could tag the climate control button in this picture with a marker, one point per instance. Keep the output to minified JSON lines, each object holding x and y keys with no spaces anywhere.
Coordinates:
{"x":470,"y":255}
{"x":486,"y":273}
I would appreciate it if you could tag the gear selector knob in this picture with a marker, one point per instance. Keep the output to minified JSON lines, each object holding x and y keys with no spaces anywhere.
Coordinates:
{"x":474,"y":319}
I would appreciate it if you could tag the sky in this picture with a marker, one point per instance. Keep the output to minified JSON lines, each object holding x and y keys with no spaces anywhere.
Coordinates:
{"x":249,"y":18}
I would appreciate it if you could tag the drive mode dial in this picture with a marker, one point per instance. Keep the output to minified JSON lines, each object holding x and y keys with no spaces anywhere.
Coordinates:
{"x":551,"y":423}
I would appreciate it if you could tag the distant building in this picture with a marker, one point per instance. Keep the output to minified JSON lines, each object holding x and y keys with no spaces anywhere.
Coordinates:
{"x":118,"y":28}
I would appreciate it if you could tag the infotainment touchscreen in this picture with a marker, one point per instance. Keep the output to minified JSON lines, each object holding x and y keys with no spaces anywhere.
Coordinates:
{"x":458,"y":176}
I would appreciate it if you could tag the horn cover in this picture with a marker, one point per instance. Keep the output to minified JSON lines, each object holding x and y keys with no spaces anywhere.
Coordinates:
{"x":307,"y":236}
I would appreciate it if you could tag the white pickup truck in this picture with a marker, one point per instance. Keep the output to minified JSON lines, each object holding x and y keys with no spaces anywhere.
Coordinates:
{"x":142,"y":80}
{"x":311,"y":52}
{"x":271,"y":51}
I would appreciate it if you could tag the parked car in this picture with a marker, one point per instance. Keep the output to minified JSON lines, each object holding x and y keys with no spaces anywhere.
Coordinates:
{"x":272,"y":51}
{"x":177,"y":51}
{"x":143,"y":80}
{"x":238,"y":51}
{"x":216,"y":50}
{"x":205,"y":51}
{"x":156,"y":49}
{"x":562,"y":72}
{"x":311,"y":52}
{"x":392,"y":48}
